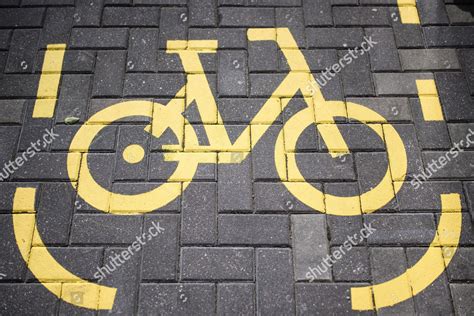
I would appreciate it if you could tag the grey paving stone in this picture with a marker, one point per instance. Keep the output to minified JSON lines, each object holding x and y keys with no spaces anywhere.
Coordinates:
{"x":131,"y":16}
{"x":276,"y":3}
{"x":459,"y":13}
{"x":334,"y":37}
{"x":406,"y":35}
{"x":203,"y":13}
{"x":227,"y":37}
{"x":217,"y":264}
{"x":384,"y":55}
{"x":24,"y":17}
{"x":386,"y":264}
{"x":75,"y":61}
{"x":97,"y":105}
{"x":310,"y":247}
{"x":152,"y":85}
{"x":82,"y":261}
{"x":356,"y":77}
{"x":263,"y":56}
{"x":5,"y":39}
{"x":160,"y":254}
{"x":105,"y":229}
{"x":460,"y":131}
{"x":275,"y":198}
{"x":88,"y":13}
{"x":317,"y":12}
{"x":463,"y":295}
{"x":454,"y":96}
{"x":54,"y":226}
{"x":413,"y":150}
{"x":470,"y":198}
{"x":263,"y":156}
{"x":321,"y":166}
{"x":432,"y":13}
{"x":73,"y":97}
{"x":443,"y":36}
{"x":458,"y":168}
{"x":247,"y":17}
{"x":231,"y":76}
{"x":359,"y":137}
{"x":143,"y":50}
{"x":401,"y":229}
{"x":22,"y":54}
{"x":342,"y":227}
{"x":275,"y":289}
{"x":428,"y":59}
{"x":253,"y":229}
{"x":57,"y":26}
{"x":8,"y":146}
{"x":434,"y":299}
{"x":199,"y":214}
{"x":467,"y":62}
{"x":353,"y":264}
{"x":460,"y":268}
{"x":44,"y":165}
{"x":324,"y":299}
{"x":234,"y":185}
{"x":19,"y":86}
{"x":125,"y":278}
{"x":109,"y":73}
{"x":235,"y":298}
{"x":14,"y":297}
{"x":177,"y":299}
{"x":263,"y":85}
{"x":173,"y":25}
{"x":363,"y":16}
{"x":317,"y":59}
{"x":99,"y":38}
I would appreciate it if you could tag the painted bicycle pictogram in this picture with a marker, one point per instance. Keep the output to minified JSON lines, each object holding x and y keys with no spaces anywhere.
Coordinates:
{"x":189,"y":153}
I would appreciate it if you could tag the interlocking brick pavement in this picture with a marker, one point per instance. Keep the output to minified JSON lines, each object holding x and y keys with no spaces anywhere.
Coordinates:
{"x":236,"y":239}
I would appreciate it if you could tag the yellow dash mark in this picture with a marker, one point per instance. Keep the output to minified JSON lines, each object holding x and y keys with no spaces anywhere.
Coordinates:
{"x":408,"y":11}
{"x":425,"y":271}
{"x":49,"y":81}
{"x":43,"y":265}
{"x":429,"y":100}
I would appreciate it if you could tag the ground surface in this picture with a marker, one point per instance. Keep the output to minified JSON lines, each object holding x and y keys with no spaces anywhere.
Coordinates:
{"x":236,"y":241}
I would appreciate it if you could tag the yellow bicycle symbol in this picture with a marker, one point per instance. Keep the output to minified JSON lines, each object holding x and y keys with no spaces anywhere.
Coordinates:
{"x":189,"y":153}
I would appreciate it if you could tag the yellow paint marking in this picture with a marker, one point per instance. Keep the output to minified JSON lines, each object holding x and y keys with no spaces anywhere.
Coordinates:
{"x":133,"y":154}
{"x":218,"y":139}
{"x":44,"y":267}
{"x":408,"y":12}
{"x":49,"y":81}
{"x":429,"y":100}
{"x":425,"y":271}
{"x":25,"y":200}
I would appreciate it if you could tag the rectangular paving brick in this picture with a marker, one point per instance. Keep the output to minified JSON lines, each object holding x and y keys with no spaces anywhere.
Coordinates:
{"x":441,"y":168}
{"x":24,"y":17}
{"x":321,"y":166}
{"x":400,"y":229}
{"x":253,"y":229}
{"x":364,"y":16}
{"x":142,"y":52}
{"x":11,"y":270}
{"x":160,"y":254}
{"x":398,"y":83}
{"x":199,"y":214}
{"x":356,"y":77}
{"x":22,"y":54}
{"x":234,"y":185}
{"x":177,"y":299}
{"x":231,"y":76}
{"x":334,"y":37}
{"x":443,"y":36}
{"x":274,"y":276}
{"x":99,"y":38}
{"x":247,"y":17}
{"x":15,"y":295}
{"x":57,"y":26}
{"x":428,"y":59}
{"x":152,"y":85}
{"x":105,"y":229}
{"x":462,"y":295}
{"x":235,"y":298}
{"x":173,"y":25}
{"x":131,"y":16}
{"x":317,"y":12}
{"x":454,"y":96}
{"x":384,"y":55}
{"x":217,"y":264}
{"x":46,"y":165}
{"x":275,"y":198}
{"x":310,"y":247}
{"x":203,"y":13}
{"x":109,"y":73}
{"x":88,"y":13}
